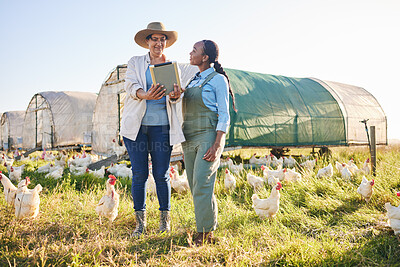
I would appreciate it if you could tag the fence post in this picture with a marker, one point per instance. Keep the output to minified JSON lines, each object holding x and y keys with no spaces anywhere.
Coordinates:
{"x":373,"y":150}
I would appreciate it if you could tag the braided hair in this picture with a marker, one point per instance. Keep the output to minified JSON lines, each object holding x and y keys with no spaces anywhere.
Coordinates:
{"x":211,"y":49}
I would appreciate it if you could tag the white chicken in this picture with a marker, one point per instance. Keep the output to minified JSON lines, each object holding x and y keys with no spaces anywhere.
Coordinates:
{"x":265,"y":170}
{"x":124,"y":171}
{"x":176,"y":166}
{"x":98,"y":173}
{"x":326,"y":171}
{"x":366,"y":188}
{"x":304,"y":158}
{"x":120,"y":170}
{"x":309,"y":164}
{"x":151,"y":185}
{"x":27,"y":201}
{"x":223,"y":162}
{"x":117,"y":149}
{"x":289,"y":162}
{"x":272,"y":181}
{"x":55,"y":173}
{"x":366,"y":168}
{"x":83,"y":161}
{"x":43,"y":154}
{"x":6,"y":160}
{"x":61,"y":159}
{"x":393,"y":215}
{"x":276,"y":163}
{"x":267,"y":160}
{"x":55,"y":167}
{"x":351,"y":163}
{"x":49,"y":156}
{"x":8,"y":166}
{"x":113,"y":168}
{"x":236,"y":169}
{"x":229,"y":181}
{"x":352,"y":167}
{"x":16,"y":172}
{"x":258,"y":161}
{"x":108,"y":204}
{"x":255,"y":181}
{"x":267,"y":208}
{"x":339,"y":166}
{"x":179,"y":183}
{"x":78,"y":170}
{"x":10,"y":190}
{"x":346,"y":173}
{"x":291,"y":175}
{"x":280,"y":174}
{"x":44,"y":168}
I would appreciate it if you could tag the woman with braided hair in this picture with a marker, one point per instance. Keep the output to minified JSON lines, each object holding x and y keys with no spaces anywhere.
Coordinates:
{"x":206,"y":120}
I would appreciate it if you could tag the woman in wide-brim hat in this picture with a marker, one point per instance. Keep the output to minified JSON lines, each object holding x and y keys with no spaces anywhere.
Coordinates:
{"x":155,"y":28}
{"x":150,"y":125}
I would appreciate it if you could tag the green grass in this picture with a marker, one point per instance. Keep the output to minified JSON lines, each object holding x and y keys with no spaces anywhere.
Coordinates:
{"x":321,"y":222}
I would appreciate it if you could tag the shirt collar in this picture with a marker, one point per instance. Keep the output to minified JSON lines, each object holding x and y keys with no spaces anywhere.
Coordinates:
{"x":148,"y":58}
{"x":205,"y":73}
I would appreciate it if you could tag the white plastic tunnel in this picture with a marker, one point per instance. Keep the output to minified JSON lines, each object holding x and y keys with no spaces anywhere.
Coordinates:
{"x":58,"y":119}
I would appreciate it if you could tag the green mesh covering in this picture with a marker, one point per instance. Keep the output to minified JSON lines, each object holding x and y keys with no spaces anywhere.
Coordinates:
{"x":282,"y":111}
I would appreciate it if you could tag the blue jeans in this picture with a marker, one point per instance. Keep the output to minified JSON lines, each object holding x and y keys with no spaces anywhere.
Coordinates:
{"x":153,"y":140}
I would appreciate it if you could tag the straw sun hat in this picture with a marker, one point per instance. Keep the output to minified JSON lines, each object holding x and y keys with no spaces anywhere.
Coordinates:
{"x":152,"y":28}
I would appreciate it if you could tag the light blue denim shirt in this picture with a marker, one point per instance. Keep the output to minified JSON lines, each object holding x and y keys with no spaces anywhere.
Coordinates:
{"x":156,"y":110}
{"x":215,"y":96}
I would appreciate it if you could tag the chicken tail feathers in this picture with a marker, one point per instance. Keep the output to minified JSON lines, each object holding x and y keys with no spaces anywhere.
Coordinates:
{"x":38,"y":188}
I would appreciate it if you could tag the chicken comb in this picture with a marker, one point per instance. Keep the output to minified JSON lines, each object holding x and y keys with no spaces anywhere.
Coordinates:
{"x":112,"y":177}
{"x":398,"y":194}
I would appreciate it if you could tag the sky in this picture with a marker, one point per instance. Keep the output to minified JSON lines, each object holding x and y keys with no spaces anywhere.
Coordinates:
{"x":73,"y":45}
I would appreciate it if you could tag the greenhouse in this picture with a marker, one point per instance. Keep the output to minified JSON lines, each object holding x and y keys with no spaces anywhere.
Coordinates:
{"x":11,"y":126}
{"x":58,"y":119}
{"x":278,"y":111}
{"x":109,"y":107}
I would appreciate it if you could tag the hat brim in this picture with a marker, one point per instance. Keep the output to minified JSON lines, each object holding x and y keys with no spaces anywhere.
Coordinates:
{"x":140,"y":37}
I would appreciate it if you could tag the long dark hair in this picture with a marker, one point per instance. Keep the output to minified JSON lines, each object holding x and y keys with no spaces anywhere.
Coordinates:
{"x":212,"y":51}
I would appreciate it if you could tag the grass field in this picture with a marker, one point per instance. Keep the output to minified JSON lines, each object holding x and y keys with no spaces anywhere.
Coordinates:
{"x":321,"y":222}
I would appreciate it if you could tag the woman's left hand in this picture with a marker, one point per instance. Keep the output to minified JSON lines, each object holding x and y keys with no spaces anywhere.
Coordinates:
{"x":212,"y":152}
{"x":176,"y":93}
